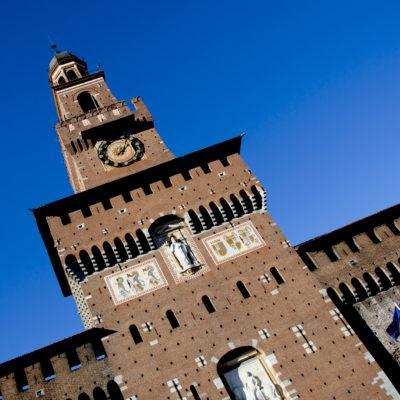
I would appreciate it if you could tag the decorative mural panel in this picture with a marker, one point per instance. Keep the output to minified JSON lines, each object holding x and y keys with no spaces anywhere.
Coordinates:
{"x":135,"y":281}
{"x":233,"y":242}
{"x":179,"y":251}
{"x":251,"y":381}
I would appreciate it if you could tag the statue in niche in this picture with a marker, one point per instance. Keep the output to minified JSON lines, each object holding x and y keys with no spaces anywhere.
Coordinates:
{"x":256,"y":390}
{"x":183,"y":255}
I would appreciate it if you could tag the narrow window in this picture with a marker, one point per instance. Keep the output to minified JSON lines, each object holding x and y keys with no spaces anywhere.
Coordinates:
{"x":208,"y":304}
{"x":206,"y":217}
{"x":195,"y":221}
{"x":71,"y":75}
{"x":172,"y":319}
{"x":136,"y":336}
{"x":123,"y":255}
{"x":109,"y":252}
{"x":61,"y":80}
{"x":277,"y":276}
{"x":143,"y":241}
{"x":195,"y":394}
{"x":243,"y":290}
{"x":73,"y":147}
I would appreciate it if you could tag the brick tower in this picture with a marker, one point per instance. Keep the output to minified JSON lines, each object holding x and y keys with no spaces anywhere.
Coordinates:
{"x":185,"y":282}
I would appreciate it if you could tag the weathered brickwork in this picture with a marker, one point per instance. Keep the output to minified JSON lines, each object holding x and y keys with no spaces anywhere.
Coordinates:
{"x":359,"y":266}
{"x":178,"y":266}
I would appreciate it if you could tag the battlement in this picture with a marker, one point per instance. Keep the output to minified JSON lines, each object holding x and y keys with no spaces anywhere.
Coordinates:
{"x":358,"y":260}
{"x":64,"y":364}
{"x":71,"y":226}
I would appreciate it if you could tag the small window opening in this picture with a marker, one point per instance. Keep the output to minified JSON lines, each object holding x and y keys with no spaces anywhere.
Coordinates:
{"x":277,"y":276}
{"x":243,"y":290}
{"x":61,"y":80}
{"x":136,"y":336}
{"x":71,"y":75}
{"x":172,"y":319}
{"x":208,"y":304}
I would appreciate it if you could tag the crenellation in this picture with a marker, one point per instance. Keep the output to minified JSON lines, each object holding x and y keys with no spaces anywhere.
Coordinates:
{"x":181,"y":260}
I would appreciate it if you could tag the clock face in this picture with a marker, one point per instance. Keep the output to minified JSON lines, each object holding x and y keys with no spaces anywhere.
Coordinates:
{"x":121,"y":152}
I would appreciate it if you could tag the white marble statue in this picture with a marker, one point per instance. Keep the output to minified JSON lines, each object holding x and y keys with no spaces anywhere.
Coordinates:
{"x":182,"y":253}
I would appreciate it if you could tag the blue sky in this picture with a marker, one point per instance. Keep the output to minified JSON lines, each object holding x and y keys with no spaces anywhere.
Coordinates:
{"x":314,"y":84}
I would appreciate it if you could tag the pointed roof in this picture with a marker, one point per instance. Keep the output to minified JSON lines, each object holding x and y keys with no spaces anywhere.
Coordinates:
{"x":63,"y":57}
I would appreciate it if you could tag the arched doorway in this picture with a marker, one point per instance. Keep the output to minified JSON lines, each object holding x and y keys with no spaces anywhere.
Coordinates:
{"x":246,"y":376}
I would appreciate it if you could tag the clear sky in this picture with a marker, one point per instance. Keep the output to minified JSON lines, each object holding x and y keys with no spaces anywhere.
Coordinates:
{"x":314,"y":84}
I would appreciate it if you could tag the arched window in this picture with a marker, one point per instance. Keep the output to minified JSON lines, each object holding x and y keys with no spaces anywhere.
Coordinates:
{"x":208,"y":304}
{"x":74,"y":149}
{"x":348,"y":295}
{"x":361,"y":292}
{"x":72,"y":264}
{"x":247,"y":201}
{"x":243,"y":290}
{"x":98,"y":258}
{"x":172,"y":319}
{"x":87,"y":102}
{"x":61,"y":80}
{"x":132,"y":245}
{"x":86,"y":261}
{"x":136,"y":336}
{"x":71,"y":75}
{"x":373,"y":286}
{"x":195,"y":394}
{"x":114,"y":391}
{"x":123,"y":255}
{"x":237,"y":205}
{"x":195,"y":220}
{"x":79,"y":144}
{"x":112,"y":260}
{"x":83,"y":396}
{"x":219,"y":219}
{"x":245,"y":367}
{"x":394,"y":272}
{"x":206,"y":217}
{"x":258,"y":197}
{"x":99,"y":394}
{"x":277,"y":276}
{"x":143,"y":241}
{"x":383,"y":278}
{"x":227,"y":209}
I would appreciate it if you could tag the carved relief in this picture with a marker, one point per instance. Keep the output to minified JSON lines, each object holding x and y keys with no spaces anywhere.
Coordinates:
{"x":135,"y":281}
{"x":234,"y":242}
